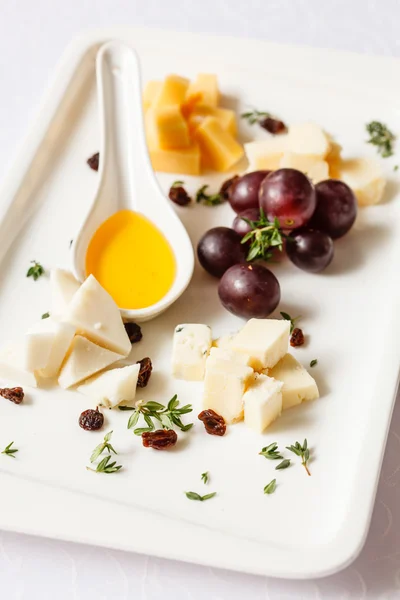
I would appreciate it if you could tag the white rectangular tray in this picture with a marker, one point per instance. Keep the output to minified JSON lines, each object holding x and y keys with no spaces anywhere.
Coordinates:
{"x":311,"y":526}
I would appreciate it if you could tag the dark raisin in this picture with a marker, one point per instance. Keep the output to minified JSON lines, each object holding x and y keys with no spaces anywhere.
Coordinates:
{"x":145,"y":371}
{"x":91,"y":420}
{"x":134,"y":332}
{"x":93,"y":161}
{"x":297,"y":337}
{"x":160,"y":439}
{"x":214,"y":423}
{"x":179,"y":195}
{"x":226,"y":187}
{"x":16,"y":394}
{"x":274,"y":126}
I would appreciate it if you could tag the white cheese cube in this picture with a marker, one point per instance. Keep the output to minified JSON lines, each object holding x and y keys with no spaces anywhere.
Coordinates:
{"x":54,"y":338}
{"x":265,"y":340}
{"x":308,"y":138}
{"x":12,"y":366}
{"x":224,"y":341}
{"x":262,"y":402}
{"x":266,"y":154}
{"x":94,"y":314}
{"x":224,"y":385}
{"x":63,"y":286}
{"x":191,"y":345}
{"x":298,"y":385}
{"x":112,"y":387}
{"x":315,"y":168}
{"x":365,"y":178}
{"x":217,"y":354}
{"x":84,"y":360}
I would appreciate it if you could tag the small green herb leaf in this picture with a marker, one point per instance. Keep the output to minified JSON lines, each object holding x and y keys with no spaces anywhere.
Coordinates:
{"x":169,"y":416}
{"x":381,"y":137}
{"x":45,"y":315}
{"x":264,"y":236}
{"x":10,"y":451}
{"x":254,"y":116}
{"x":105,"y":466}
{"x":35,"y":271}
{"x":293,"y":320}
{"x":177,"y":184}
{"x":396,"y":168}
{"x":105,"y":445}
{"x":270,"y":487}
{"x":302,"y":451}
{"x":195,"y":496}
{"x":205,"y":477}
{"x":283,"y":465}
{"x":126,"y":408}
{"x":314,"y":362}
{"x":208,"y":199}
{"x":271,"y":452}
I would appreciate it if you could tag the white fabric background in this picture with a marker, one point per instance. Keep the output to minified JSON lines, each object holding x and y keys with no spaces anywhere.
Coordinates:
{"x":33,"y":34}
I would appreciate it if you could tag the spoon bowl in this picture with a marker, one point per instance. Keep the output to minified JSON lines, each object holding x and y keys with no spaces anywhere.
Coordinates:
{"x":126,"y":177}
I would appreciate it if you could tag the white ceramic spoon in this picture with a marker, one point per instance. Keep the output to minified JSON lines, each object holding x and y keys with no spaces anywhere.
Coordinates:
{"x":126,"y":178}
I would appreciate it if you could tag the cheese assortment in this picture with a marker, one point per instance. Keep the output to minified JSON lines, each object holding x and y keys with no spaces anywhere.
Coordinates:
{"x":186,"y":129}
{"x":246,"y":375}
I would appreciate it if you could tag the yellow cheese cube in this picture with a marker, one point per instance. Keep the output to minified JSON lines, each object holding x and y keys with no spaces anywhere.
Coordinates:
{"x":364,"y":176}
{"x":166,"y":128}
{"x":219,"y":149}
{"x":151,"y":89}
{"x":173,"y":91}
{"x":205,"y":84}
{"x":185,"y":161}
{"x":225,"y":117}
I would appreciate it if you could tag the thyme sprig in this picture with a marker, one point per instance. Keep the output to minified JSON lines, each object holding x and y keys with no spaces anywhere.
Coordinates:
{"x":381,"y":137}
{"x":10,"y":451}
{"x":255,"y":116}
{"x":263,"y":236}
{"x":105,"y":445}
{"x":271,"y":452}
{"x":208,"y":199}
{"x":196,"y":496}
{"x":169,"y":416}
{"x":105,"y":466}
{"x":293,"y":320}
{"x":35,"y":271}
{"x":205,"y":477}
{"x":303,"y":452}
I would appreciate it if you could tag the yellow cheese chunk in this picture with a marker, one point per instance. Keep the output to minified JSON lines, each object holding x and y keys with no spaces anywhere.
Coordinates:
{"x":364,"y":176}
{"x":219,"y":149}
{"x":173,"y":91}
{"x":207,"y":85}
{"x":266,"y":154}
{"x":185,"y":161}
{"x":151,"y":89}
{"x":166,"y":128}
{"x":226,"y":118}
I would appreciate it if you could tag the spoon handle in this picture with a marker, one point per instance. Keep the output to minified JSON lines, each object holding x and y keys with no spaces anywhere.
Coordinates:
{"x":124,"y":162}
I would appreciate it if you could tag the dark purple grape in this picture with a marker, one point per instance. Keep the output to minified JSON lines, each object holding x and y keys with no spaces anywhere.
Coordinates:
{"x":288,"y":195}
{"x":336,"y":208}
{"x":309,"y":249}
{"x":244,"y":191}
{"x":249,"y":290}
{"x":240,"y":226}
{"x":219,"y":249}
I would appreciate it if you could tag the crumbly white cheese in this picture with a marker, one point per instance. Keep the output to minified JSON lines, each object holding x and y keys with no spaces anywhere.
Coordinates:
{"x":224,"y":341}
{"x":52,"y":339}
{"x":217,"y":354}
{"x":84,"y":360}
{"x":112,"y":387}
{"x":63,"y":286}
{"x":265,"y":340}
{"x":224,"y":385}
{"x":191,"y":346}
{"x":298,"y":385}
{"x":308,"y":138}
{"x":262,"y":402}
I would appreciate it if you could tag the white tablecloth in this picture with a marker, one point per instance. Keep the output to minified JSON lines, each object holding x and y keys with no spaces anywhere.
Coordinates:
{"x":33,"y":34}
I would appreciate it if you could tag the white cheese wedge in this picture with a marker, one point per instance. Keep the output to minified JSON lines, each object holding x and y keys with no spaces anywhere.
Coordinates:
{"x":217,"y":354}
{"x":84,"y":360}
{"x":266,"y":154}
{"x":315,"y":168}
{"x":224,"y":341}
{"x":53,"y":339}
{"x":12,"y":367}
{"x":262,"y":402}
{"x":298,"y":385}
{"x":365,"y":178}
{"x":112,"y":387}
{"x":265,"y":340}
{"x":225,"y":382}
{"x":63,"y":286}
{"x":94,"y":314}
{"x":309,"y":139}
{"x":191,"y":346}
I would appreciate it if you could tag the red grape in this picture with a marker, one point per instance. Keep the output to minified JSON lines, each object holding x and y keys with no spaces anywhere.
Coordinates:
{"x":219,"y":249}
{"x":240,"y":226}
{"x":309,"y":249}
{"x":288,"y":195}
{"x":243,"y":193}
{"x":249,"y":290}
{"x":336,"y":208}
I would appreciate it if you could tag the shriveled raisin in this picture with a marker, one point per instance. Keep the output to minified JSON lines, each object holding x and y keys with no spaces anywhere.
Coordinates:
{"x":179,"y":195}
{"x":93,"y":161}
{"x":91,"y":420}
{"x":274,"y":126}
{"x":145,"y":371}
{"x":214,"y":423}
{"x":15,"y":394}
{"x":134,"y":332}
{"x":226,"y":187}
{"x":162,"y":439}
{"x":297,"y":337}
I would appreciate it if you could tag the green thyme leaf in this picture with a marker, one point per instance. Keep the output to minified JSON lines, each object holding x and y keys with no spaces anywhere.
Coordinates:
{"x":208,"y":199}
{"x":35,"y":271}
{"x":177,"y":184}
{"x":45,"y":315}
{"x":303,"y":452}
{"x":126,"y":408}
{"x":105,"y":466}
{"x":263,"y":236}
{"x":283,"y":465}
{"x":205,"y":477}
{"x":270,"y":487}
{"x":196,"y":496}
{"x":293,"y":320}
{"x":105,"y":445}
{"x":271,"y":452}
{"x":169,"y":416}
{"x":10,"y":451}
{"x":314,"y":362}
{"x":396,"y":168}
{"x":254,"y":116}
{"x":381,"y":137}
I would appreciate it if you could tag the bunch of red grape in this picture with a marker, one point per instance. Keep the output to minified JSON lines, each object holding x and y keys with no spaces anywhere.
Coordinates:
{"x":309,"y":218}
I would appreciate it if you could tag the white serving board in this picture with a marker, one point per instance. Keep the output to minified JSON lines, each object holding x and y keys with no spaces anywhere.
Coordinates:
{"x":311,"y":526}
